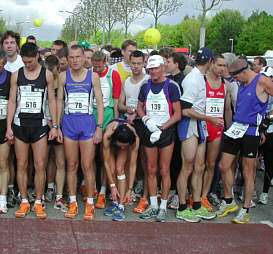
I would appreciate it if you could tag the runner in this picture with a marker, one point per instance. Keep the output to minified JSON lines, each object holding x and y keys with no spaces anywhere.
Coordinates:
{"x":160,"y":98}
{"x":79,"y":129}
{"x":120,"y":150}
{"x":244,"y":136}
{"x":28,"y":126}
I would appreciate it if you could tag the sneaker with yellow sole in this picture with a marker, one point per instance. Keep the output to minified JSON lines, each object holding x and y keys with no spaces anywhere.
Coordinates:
{"x":142,"y":206}
{"x":72,"y":211}
{"x":101,"y":201}
{"x":225,"y":208}
{"x":23,"y":210}
{"x":38,"y":210}
{"x":242,"y":217}
{"x":89,"y":213}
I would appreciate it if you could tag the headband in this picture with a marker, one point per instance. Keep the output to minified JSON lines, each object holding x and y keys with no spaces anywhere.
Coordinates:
{"x":233,"y":73}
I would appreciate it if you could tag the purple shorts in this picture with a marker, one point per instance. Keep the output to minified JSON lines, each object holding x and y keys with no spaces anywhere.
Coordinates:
{"x":78,"y":127}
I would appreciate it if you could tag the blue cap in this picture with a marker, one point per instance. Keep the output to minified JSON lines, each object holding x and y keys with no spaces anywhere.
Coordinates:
{"x":204,"y":53}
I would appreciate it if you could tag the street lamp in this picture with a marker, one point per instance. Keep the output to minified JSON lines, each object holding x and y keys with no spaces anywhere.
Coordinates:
{"x":75,"y":20}
{"x":231,"y":45}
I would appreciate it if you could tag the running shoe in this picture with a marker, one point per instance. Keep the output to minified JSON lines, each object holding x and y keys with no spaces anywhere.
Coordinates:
{"x":187,"y":215}
{"x":23,"y":210}
{"x":89,"y":213}
{"x":203,"y":213}
{"x":101,"y":201}
{"x":118,"y":214}
{"x":138,"y":189}
{"x":242,"y":217}
{"x":225,"y":208}
{"x":133,"y":198}
{"x":49,"y":195}
{"x":263,"y":198}
{"x":61,"y":205}
{"x":161,"y":216}
{"x":142,"y":206}
{"x":205,"y":202}
{"x":72,"y":211}
{"x":189,"y":201}
{"x":31,"y":195}
{"x":174,"y":203}
{"x":110,"y":211}
{"x":38,"y":210}
{"x":149,"y":213}
{"x":271,"y":182}
{"x":3,"y":207}
{"x":11,"y":198}
{"x":213,"y":199}
{"x":252,"y":204}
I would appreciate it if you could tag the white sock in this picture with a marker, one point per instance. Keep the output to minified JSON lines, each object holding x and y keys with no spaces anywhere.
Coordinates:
{"x":90,"y":201}
{"x":163,"y":204}
{"x":50,"y":186}
{"x":24,"y":200}
{"x":115,"y":202}
{"x":83,"y":183}
{"x":72,"y":198}
{"x":3,"y":198}
{"x":43,"y":197}
{"x":38,"y":201}
{"x":154,"y":203}
{"x":59,"y":196}
{"x":103,"y":190}
{"x":10,"y":186}
{"x":121,"y":206}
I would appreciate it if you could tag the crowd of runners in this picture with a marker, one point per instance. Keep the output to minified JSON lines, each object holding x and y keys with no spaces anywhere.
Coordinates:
{"x":112,"y":125}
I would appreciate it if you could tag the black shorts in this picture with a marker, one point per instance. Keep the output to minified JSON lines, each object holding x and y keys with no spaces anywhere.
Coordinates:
{"x":167,"y":137}
{"x":29,"y":134}
{"x":3,"y":128}
{"x":247,"y":145}
{"x":139,"y":127}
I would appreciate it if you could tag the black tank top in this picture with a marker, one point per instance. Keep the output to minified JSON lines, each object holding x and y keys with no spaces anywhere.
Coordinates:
{"x":4,"y":93}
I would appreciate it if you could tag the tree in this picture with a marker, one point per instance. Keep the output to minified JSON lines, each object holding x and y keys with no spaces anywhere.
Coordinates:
{"x":130,"y":11}
{"x":207,"y":5}
{"x":256,"y":36}
{"x":158,"y":8}
{"x":224,"y":27}
{"x":2,"y":25}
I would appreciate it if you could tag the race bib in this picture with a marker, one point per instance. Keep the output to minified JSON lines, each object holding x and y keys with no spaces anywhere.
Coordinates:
{"x":236,"y":130}
{"x":3,"y":107}
{"x":214,"y":107}
{"x":156,"y":107}
{"x":31,"y":102}
{"x":105,"y":89}
{"x":78,"y":103}
{"x":131,"y":102}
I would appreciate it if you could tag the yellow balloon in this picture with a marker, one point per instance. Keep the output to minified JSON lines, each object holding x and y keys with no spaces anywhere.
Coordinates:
{"x":23,"y":40}
{"x":37,"y":22}
{"x":152,"y":36}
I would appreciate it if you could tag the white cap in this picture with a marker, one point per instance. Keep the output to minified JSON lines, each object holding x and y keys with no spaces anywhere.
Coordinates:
{"x":154,"y":61}
{"x":267,"y":71}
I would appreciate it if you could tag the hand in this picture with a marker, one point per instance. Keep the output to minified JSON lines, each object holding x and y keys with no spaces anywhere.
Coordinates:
{"x":151,"y":125}
{"x":115,"y":193}
{"x":60,"y":138}
{"x":9,"y":135}
{"x":263,"y":139}
{"x":53,"y":133}
{"x":131,"y":118}
{"x":127,"y":197}
{"x":217,"y":122}
{"x":97,"y":136}
{"x":155,"y":136}
{"x":130,"y":110}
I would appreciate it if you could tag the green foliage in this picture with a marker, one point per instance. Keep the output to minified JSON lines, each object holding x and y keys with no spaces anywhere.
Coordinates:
{"x":224,"y":26}
{"x":44,"y":44}
{"x":2,"y":25}
{"x":256,"y":36}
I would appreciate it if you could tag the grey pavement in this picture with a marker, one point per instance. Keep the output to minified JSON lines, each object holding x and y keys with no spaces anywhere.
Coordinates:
{"x":260,"y":214}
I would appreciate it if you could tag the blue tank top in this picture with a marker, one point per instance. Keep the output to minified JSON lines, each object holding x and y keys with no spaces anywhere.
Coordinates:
{"x":78,"y":95}
{"x":249,"y":109}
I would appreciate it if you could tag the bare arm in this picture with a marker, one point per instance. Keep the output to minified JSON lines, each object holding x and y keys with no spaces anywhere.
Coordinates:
{"x":116,"y":112}
{"x":228,"y":111}
{"x":51,"y":97}
{"x":175,"y":117}
{"x":11,"y":104}
{"x":121,"y":101}
{"x":100,"y":108}
{"x":140,"y":109}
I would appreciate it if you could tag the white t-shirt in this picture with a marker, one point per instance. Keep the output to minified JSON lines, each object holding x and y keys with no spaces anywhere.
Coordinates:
{"x":194,"y":90}
{"x":234,"y":86}
{"x":14,"y":66}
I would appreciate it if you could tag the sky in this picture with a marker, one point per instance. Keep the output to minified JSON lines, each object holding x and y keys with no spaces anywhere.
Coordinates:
{"x":25,"y":11}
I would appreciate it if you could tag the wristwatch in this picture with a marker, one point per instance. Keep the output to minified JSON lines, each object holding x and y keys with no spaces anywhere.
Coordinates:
{"x":55,"y":126}
{"x":99,"y":125}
